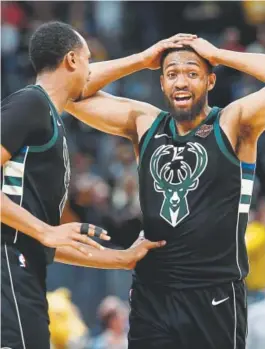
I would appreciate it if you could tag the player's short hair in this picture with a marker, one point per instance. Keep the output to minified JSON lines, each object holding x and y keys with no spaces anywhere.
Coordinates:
{"x":50,"y":43}
{"x":184,"y":48}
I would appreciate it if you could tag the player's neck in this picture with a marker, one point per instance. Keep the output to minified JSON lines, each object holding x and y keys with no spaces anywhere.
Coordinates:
{"x":185,"y":127}
{"x":54,"y":86}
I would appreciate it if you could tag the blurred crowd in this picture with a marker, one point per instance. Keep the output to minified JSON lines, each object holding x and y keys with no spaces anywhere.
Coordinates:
{"x":104,"y":188}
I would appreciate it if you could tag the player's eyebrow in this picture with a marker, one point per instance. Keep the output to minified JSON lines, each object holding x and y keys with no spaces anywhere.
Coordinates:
{"x":177,"y":63}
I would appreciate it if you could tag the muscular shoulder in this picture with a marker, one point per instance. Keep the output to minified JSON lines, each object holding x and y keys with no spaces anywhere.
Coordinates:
{"x":29,"y":99}
{"x":25,"y":119}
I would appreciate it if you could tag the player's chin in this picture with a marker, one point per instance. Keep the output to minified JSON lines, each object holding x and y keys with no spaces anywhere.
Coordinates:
{"x":182,"y":105}
{"x":182,"y":110}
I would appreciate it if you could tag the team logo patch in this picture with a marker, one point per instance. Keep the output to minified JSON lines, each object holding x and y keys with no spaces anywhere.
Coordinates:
{"x":175,"y":204}
{"x":204,"y":131}
{"x":22,"y":261}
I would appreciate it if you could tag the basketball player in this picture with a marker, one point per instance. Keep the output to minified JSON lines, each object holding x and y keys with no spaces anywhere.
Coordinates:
{"x":196,"y":171}
{"x":35,"y":180}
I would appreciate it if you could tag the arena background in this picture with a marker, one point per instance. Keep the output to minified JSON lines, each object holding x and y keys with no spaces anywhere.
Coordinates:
{"x":104,"y":174}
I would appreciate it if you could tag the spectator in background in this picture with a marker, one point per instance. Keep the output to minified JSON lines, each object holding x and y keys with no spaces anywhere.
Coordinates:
{"x":67,"y":327}
{"x":255,"y":240}
{"x":113,"y":315}
{"x":258,"y":46}
{"x":90,"y":199}
{"x":231,"y":37}
{"x":122,"y":162}
{"x":125,"y":198}
{"x":12,"y":18}
{"x":254,"y":11}
{"x":246,"y":84}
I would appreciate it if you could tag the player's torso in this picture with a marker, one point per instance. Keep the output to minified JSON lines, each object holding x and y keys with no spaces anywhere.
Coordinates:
{"x":190,"y":194}
{"x":37,"y":178}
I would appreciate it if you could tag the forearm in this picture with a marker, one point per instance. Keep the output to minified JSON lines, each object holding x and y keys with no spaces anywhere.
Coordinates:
{"x":103,"y":73}
{"x":107,"y":259}
{"x":20,"y":219}
{"x":249,"y":63}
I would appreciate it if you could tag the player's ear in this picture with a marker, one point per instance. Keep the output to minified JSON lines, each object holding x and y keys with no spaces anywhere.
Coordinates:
{"x":162,"y":82}
{"x":211,"y":81}
{"x":70,"y":60}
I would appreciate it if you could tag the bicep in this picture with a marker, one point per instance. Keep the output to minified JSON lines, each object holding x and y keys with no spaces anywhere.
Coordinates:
{"x":252,"y":111}
{"x":110,"y":114}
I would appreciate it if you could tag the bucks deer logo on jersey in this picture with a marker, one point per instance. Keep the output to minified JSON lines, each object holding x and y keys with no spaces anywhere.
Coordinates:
{"x":175,"y":205}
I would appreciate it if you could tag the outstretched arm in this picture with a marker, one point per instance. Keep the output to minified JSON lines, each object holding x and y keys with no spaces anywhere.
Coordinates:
{"x":104,"y":73}
{"x":108,"y":259}
{"x":110,"y":114}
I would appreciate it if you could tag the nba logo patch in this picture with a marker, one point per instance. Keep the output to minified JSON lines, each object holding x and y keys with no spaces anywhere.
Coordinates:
{"x":204,"y":131}
{"x":22,"y":261}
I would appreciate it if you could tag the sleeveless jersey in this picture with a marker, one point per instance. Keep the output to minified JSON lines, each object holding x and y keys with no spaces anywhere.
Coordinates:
{"x":196,"y":195}
{"x":37,"y":178}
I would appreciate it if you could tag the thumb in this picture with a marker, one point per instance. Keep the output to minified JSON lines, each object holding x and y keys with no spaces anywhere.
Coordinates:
{"x":154,"y":244}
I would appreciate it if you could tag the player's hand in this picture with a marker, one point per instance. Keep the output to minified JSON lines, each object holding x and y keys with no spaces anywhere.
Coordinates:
{"x":74,"y":235}
{"x":203,"y":47}
{"x":139,"y":249}
{"x":151,"y":56}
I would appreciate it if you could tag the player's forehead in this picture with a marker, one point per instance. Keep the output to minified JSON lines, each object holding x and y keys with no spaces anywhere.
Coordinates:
{"x":84,"y":49}
{"x":179,"y":59}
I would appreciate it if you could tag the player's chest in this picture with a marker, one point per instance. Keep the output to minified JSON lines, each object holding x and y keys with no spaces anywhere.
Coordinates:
{"x":172,"y":163}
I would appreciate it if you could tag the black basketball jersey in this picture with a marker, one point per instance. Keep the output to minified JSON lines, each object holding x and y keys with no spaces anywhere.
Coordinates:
{"x":37,"y":178}
{"x":196,"y":195}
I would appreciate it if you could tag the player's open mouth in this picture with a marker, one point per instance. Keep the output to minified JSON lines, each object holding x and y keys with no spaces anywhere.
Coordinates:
{"x":182,"y":100}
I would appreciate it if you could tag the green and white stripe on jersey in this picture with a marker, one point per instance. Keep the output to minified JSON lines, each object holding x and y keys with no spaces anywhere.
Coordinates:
{"x":247,"y":183}
{"x":13,"y":175}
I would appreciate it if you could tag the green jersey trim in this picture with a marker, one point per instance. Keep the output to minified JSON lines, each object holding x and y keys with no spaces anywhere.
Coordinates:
{"x":150,"y":134}
{"x":184,"y":138}
{"x":51,"y":142}
{"x":221,"y":143}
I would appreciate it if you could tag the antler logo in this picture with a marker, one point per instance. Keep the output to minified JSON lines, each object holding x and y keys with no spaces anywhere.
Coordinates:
{"x":175,"y":205}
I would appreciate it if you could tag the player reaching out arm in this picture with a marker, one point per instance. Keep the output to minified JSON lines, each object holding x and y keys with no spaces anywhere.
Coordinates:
{"x":71,"y":239}
{"x":19,"y":118}
{"x":108,"y":259}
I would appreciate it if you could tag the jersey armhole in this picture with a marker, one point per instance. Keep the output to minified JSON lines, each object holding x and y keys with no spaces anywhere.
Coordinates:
{"x":150,"y":134}
{"x":51,"y":142}
{"x":221,"y":143}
